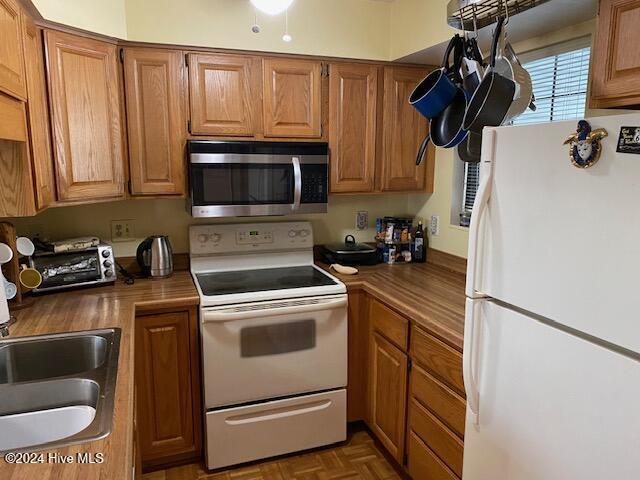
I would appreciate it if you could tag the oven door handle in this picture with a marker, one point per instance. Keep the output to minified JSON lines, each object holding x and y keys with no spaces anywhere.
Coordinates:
{"x":297,"y":184}
{"x":271,"y":309}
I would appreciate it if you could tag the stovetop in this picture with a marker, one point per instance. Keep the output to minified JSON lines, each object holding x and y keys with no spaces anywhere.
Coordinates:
{"x":260,"y":280}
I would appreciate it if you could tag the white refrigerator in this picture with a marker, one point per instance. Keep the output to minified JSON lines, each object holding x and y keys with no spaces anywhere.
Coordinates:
{"x":552,"y":324}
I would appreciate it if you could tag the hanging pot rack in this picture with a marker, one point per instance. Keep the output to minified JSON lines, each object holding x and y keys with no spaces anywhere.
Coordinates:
{"x":470,"y":14}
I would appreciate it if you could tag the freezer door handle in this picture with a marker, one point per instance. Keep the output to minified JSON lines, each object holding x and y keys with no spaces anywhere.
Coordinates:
{"x":470,"y":355}
{"x":479,"y":207}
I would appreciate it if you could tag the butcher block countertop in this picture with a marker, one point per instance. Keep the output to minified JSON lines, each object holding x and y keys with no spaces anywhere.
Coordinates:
{"x":429,"y":295}
{"x":89,"y":309}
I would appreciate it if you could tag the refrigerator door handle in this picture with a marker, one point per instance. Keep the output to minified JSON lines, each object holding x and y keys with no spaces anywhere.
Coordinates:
{"x":470,"y":355}
{"x":479,"y":207}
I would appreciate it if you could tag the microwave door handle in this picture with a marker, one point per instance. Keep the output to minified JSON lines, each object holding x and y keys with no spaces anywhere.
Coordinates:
{"x":297,"y":184}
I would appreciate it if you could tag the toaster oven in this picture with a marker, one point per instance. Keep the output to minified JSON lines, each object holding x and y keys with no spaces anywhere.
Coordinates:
{"x":92,"y":266}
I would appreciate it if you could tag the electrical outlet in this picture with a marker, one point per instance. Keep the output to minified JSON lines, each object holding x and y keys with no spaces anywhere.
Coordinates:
{"x":121,"y":230}
{"x":434,"y":225}
{"x":362,"y":220}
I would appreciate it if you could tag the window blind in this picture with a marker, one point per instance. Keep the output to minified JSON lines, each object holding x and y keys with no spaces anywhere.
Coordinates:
{"x":560,"y":86}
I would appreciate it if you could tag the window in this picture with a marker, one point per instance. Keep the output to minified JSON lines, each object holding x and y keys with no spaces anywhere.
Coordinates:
{"x":560,"y":77}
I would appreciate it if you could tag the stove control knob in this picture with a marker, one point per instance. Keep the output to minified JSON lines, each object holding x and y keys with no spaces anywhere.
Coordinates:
{"x":106,"y":253}
{"x":107,"y":264}
{"x":215,"y":237}
{"x":304,"y":233}
{"x":108,"y":273}
{"x":202,"y":238}
{"x":292,"y":233}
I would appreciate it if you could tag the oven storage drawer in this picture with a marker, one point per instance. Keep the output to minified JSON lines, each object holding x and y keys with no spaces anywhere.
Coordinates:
{"x":275,"y":428}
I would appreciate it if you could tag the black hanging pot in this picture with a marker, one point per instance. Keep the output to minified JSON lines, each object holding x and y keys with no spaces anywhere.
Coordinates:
{"x":493,"y":97}
{"x":469,"y":151}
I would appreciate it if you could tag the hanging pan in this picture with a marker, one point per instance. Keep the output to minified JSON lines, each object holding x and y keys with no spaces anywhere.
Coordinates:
{"x":446,"y":130}
{"x":493,"y":97}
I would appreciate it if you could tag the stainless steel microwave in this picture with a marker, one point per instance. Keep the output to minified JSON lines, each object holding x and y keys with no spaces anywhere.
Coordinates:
{"x":241,"y":179}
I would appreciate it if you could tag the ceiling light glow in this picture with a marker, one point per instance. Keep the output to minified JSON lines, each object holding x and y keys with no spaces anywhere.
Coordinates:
{"x":272,"y":7}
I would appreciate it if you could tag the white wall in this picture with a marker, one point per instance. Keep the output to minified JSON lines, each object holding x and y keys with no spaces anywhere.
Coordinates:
{"x":101,"y":16}
{"x":170,"y":217}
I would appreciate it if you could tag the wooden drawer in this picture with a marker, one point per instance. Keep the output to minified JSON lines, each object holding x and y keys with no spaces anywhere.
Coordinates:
{"x":447,"y":405}
{"x":389,"y":324}
{"x":437,"y":357}
{"x":442,"y":441}
{"x":423,"y":464}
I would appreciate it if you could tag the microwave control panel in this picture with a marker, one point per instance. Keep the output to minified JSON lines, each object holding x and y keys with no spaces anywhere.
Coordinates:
{"x":315,"y":187}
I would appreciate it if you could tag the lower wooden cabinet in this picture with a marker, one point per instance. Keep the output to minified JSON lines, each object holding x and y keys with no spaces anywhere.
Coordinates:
{"x":169,"y":417}
{"x":388,"y":394}
{"x":358,"y":351}
{"x":414,"y":408}
{"x":423,"y":464}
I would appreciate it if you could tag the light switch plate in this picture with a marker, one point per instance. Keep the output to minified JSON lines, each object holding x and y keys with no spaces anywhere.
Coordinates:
{"x":362,"y":220}
{"x":434,"y":225}
{"x":121,"y":230}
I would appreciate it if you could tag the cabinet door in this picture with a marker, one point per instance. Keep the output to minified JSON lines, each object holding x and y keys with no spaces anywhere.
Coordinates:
{"x":87,"y":125}
{"x":38,"y":116}
{"x":292,"y":98}
{"x":616,"y":74}
{"x":388,"y":395}
{"x":403,"y":130}
{"x":16,"y":185}
{"x":155,"y":92}
{"x":167,"y":387}
{"x":358,"y":357}
{"x":12,"y":80}
{"x":353,"y":94}
{"x":224,"y":92}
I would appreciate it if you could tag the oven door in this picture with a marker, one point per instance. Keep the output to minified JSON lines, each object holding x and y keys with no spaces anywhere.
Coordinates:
{"x":273,"y":349}
{"x":243,"y":185}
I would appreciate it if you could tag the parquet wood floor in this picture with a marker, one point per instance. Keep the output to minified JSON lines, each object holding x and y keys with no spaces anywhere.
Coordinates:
{"x":358,"y":458}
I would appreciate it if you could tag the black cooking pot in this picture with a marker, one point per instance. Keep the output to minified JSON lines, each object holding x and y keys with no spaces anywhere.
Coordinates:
{"x":350,"y":253}
{"x":493,"y":97}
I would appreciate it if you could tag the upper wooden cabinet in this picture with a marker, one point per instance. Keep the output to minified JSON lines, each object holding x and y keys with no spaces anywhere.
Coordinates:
{"x":224,"y":93}
{"x":292,"y":93}
{"x":16,"y":185}
{"x":38,"y":116}
{"x":86,"y":110}
{"x":353,"y":95}
{"x":155,"y":89}
{"x":615,"y":80}
{"x":403,"y":129}
{"x":12,"y":77}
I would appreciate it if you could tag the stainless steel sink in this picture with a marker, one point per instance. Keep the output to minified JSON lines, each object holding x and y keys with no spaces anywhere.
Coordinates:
{"x":27,"y":360}
{"x":57,"y":390}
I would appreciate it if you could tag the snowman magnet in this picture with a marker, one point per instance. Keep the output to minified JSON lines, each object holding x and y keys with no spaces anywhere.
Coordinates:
{"x":584,"y":145}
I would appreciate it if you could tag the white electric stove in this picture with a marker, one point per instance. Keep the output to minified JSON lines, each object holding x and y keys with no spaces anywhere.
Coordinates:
{"x":274,"y":341}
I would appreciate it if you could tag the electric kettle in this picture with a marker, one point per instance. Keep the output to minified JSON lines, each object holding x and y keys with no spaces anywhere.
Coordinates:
{"x":155,"y":257}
